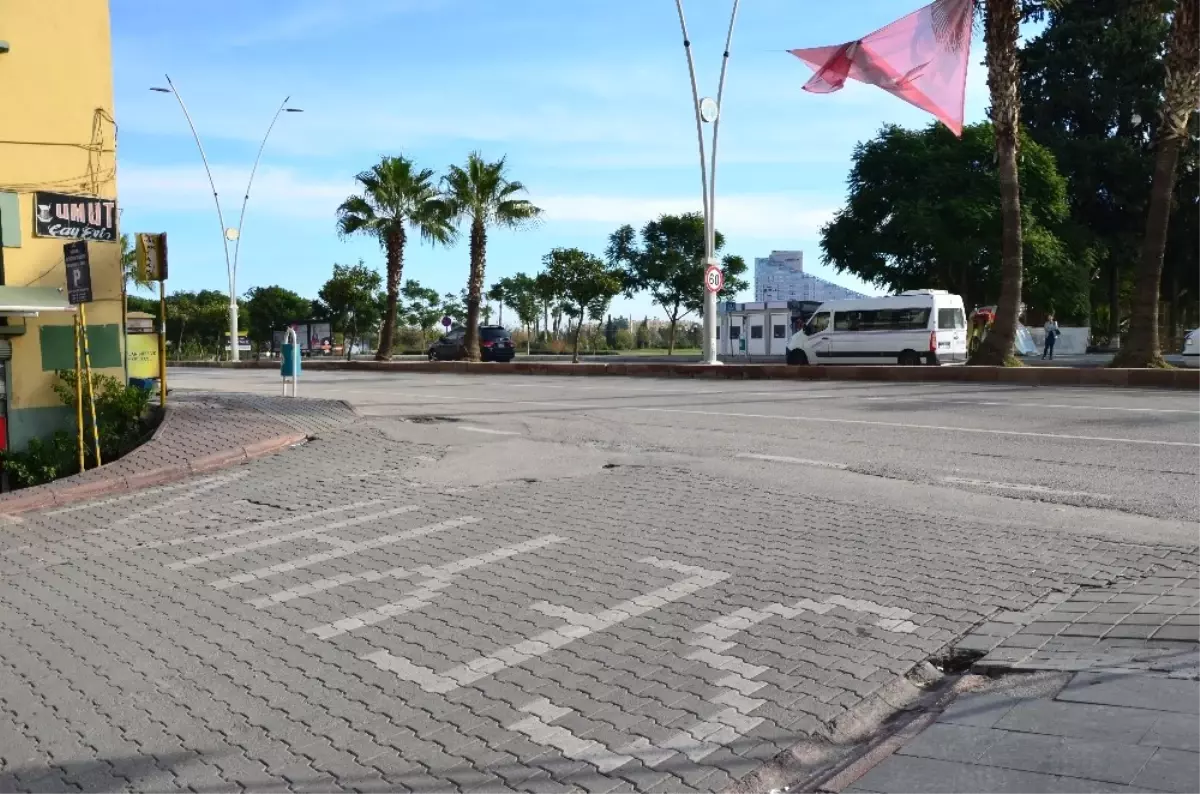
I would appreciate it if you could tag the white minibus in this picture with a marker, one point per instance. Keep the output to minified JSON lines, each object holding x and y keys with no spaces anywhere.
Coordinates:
{"x":916,"y":327}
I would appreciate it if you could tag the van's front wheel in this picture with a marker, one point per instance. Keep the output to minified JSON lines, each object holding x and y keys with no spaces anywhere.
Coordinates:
{"x":797,"y":358}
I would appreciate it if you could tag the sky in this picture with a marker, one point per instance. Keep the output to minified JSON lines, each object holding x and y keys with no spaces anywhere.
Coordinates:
{"x":588,"y":100}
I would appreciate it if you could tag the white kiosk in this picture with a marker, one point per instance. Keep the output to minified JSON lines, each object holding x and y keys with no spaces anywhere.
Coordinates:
{"x":761,"y":328}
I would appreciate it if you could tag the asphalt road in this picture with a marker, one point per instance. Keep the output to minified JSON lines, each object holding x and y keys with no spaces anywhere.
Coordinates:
{"x":1033,"y":453}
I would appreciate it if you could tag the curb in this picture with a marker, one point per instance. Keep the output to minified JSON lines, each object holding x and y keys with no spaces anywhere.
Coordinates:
{"x":1183,"y":378}
{"x":52,"y":495}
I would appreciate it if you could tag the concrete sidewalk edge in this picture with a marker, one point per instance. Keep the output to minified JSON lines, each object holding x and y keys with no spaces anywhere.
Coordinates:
{"x":1188,"y":379}
{"x":55,"y":495}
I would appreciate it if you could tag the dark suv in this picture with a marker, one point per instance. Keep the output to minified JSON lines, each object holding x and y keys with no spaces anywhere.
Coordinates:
{"x":495,"y":344}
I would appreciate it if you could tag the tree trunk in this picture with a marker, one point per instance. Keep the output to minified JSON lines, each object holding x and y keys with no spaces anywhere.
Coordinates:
{"x":578,"y":328}
{"x":394,"y":245}
{"x":1114,"y":303}
{"x":475,"y":287}
{"x":1181,"y":94}
{"x":671,"y":337}
{"x":1000,"y":32}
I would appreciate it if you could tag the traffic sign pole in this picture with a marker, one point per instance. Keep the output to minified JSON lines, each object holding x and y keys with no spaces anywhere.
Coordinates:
{"x":714,"y":281}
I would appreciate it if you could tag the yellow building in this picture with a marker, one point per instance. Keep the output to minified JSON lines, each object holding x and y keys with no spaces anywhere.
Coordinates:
{"x":57,"y":184}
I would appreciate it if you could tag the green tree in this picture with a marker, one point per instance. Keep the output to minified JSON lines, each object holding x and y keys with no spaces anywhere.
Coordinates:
{"x":585,"y":281}
{"x":547,"y":295}
{"x":454,"y":308}
{"x":924,"y":212}
{"x":1090,"y":83}
{"x":669,"y":264}
{"x":395,"y":197}
{"x":1181,"y":95}
{"x":422,"y":307}
{"x":271,"y":309}
{"x":521,"y":294}
{"x":352,"y":303}
{"x":481,"y":195}
{"x":497,"y":293}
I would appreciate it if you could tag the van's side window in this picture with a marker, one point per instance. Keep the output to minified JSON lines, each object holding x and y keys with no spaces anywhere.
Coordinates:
{"x":882,"y":320}
{"x":845,"y":321}
{"x":951,"y":319}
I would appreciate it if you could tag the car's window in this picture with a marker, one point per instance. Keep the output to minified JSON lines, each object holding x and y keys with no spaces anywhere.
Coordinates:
{"x":493,"y":333}
{"x":951,"y":319}
{"x":817,"y":324}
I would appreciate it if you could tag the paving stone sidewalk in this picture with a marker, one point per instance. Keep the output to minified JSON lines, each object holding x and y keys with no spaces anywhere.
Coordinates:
{"x":1084,"y":732}
{"x":200,"y":431}
{"x":323,"y":620}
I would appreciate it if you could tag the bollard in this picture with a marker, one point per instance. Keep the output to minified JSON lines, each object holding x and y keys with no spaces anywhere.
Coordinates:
{"x":289,"y":366}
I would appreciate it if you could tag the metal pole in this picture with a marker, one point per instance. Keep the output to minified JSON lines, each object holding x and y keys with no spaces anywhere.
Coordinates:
{"x":162,"y":343}
{"x":237,"y":244}
{"x":91,"y":394}
{"x":710,"y":298}
{"x":79,"y":396}
{"x":233,"y":314}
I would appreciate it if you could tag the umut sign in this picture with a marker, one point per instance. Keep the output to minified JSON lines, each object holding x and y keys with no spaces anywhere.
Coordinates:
{"x":75,"y":217}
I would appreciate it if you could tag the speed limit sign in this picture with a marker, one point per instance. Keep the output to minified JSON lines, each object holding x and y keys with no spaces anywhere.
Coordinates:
{"x":714,"y":278}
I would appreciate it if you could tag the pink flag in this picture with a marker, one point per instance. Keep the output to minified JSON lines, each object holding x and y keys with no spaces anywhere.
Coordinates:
{"x":921,"y":58}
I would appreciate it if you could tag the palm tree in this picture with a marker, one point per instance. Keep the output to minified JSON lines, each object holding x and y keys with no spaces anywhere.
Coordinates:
{"x":1000,"y":29}
{"x":482,"y":195}
{"x":1181,"y":95}
{"x":395,"y":197}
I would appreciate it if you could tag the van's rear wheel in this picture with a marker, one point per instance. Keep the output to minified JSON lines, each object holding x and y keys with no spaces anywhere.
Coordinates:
{"x":910,"y":358}
{"x":797,"y":358}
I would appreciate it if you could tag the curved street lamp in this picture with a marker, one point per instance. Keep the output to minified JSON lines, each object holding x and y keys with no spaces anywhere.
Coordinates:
{"x":230,"y":234}
{"x":708,"y":111}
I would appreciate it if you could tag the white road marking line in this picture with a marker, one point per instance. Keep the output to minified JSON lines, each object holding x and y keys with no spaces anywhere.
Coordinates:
{"x":131,"y":496}
{"x":824,"y":464}
{"x":277,"y":539}
{"x":1014,"y":404}
{"x":1023,"y":488}
{"x":433,"y":573}
{"x":711,"y":641}
{"x":579,"y":625}
{"x":339,"y":552}
{"x":538,"y":728}
{"x":909,"y":426}
{"x":183,"y":497}
{"x":260,"y":526}
{"x":489,"y":430}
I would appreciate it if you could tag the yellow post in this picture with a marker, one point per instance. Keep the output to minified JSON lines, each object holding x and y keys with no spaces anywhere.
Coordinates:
{"x":162,"y":343}
{"x":79,"y":397}
{"x":87,"y":365}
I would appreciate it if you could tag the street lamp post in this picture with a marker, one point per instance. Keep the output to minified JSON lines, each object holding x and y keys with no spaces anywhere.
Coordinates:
{"x":230,"y":234}
{"x":708,"y":111}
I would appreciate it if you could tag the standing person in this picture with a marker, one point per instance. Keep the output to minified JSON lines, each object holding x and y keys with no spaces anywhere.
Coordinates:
{"x":1052,"y":333}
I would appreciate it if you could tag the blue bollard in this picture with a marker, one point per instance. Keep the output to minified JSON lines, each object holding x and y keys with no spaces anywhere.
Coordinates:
{"x":289,"y":366}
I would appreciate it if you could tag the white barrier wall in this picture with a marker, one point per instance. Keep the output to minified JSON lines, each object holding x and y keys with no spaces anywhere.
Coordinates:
{"x":1071,"y":342}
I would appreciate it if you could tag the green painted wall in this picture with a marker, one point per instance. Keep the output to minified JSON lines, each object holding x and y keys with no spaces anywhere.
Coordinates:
{"x":58,"y":346}
{"x":27,"y":423}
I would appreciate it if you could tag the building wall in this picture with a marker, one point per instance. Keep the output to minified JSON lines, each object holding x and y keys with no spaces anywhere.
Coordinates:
{"x":56,"y":134}
{"x":781,"y":277}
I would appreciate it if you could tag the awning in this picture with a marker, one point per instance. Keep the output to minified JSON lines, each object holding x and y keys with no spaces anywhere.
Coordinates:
{"x":31,"y":301}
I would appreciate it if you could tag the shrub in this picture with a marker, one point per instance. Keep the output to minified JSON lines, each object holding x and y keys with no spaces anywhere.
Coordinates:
{"x":122,"y":416}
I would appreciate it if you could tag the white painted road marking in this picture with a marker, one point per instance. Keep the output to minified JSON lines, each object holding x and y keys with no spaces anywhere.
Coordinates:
{"x":711,"y":641}
{"x":579,"y":625}
{"x":438,"y":579}
{"x":277,"y":539}
{"x":131,"y":496}
{"x":261,"y":525}
{"x":824,"y":464}
{"x":339,"y":552}
{"x":471,"y":429}
{"x":1022,"y":487}
{"x":909,"y":426}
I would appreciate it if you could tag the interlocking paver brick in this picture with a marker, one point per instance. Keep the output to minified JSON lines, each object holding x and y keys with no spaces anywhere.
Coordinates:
{"x":226,"y":685}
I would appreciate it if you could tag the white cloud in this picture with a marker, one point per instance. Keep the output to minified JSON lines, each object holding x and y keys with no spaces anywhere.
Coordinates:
{"x":285,"y":193}
{"x":746,"y":215}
